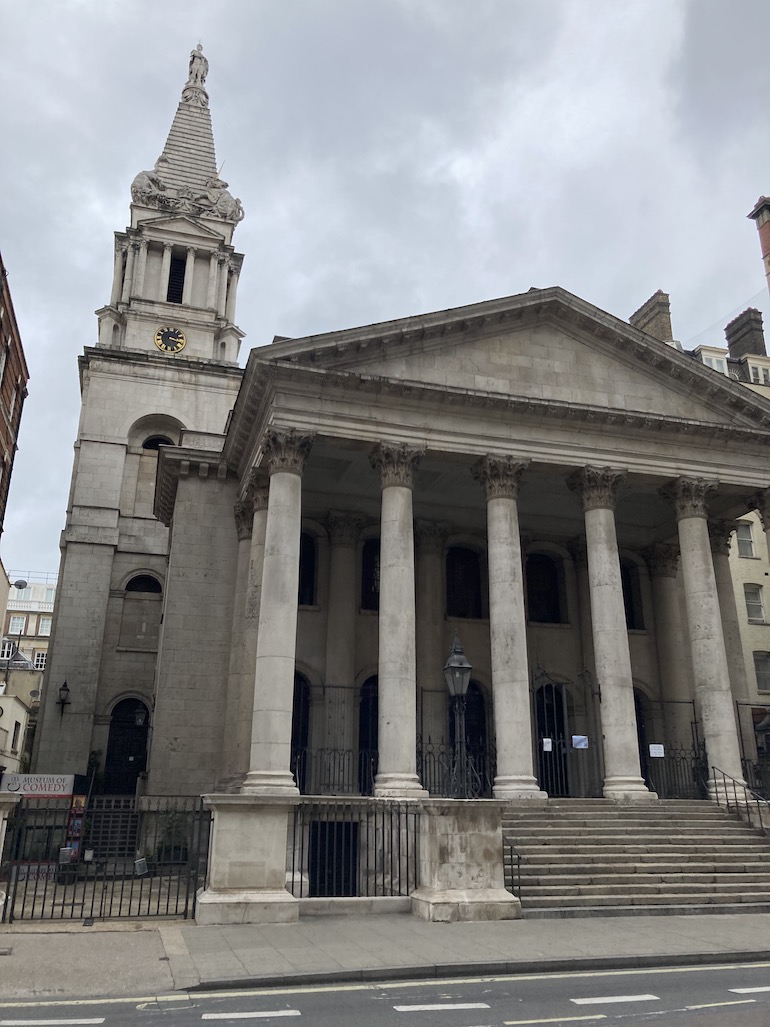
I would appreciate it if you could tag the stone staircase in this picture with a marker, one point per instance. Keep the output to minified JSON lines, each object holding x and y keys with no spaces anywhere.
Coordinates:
{"x":590,"y":857}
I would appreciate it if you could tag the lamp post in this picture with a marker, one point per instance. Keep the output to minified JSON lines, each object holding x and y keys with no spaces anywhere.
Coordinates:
{"x":20,"y":584}
{"x":457,"y":673}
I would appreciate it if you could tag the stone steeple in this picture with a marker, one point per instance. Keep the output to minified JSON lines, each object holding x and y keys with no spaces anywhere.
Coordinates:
{"x":176,"y":273}
{"x":185,"y":178}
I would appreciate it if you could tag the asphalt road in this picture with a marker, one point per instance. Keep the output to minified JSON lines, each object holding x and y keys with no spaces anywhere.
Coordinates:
{"x":715,"y":996}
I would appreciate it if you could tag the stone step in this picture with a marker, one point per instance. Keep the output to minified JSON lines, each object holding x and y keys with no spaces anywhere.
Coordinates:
{"x":612,"y":849}
{"x":549,"y":833}
{"x":707,"y":890}
{"x":688,"y":909}
{"x":616,"y":824}
{"x":714,"y":877}
{"x":637,"y":899}
{"x":644,"y":861}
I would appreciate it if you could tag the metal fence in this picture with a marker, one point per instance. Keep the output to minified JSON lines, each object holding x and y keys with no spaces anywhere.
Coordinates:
{"x":679,"y":774}
{"x":359,"y":847}
{"x":115,"y":858}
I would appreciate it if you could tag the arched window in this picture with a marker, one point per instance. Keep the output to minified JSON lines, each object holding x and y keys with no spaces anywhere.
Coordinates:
{"x":156,"y":441}
{"x":144,"y":583}
{"x":140,"y":620}
{"x":545,"y":589}
{"x":632,"y":595}
{"x":370,"y":575}
{"x":307,"y":570}
{"x":463,"y":583}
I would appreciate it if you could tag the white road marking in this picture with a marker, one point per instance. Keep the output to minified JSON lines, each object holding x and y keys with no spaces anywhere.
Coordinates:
{"x":748,"y":991}
{"x":440,"y":1006}
{"x":48,"y":1023}
{"x":713,"y":1005}
{"x":262,"y":1015}
{"x":558,"y":1019}
{"x":601,"y":999}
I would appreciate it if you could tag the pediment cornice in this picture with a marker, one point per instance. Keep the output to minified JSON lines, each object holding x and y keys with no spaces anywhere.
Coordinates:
{"x":353,"y":348}
{"x":263,"y":379}
{"x":175,"y":463}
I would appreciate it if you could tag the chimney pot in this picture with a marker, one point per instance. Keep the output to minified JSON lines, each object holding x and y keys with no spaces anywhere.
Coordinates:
{"x":654,"y":317}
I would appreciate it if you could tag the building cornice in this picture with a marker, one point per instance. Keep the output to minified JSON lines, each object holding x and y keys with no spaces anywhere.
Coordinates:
{"x":175,"y":463}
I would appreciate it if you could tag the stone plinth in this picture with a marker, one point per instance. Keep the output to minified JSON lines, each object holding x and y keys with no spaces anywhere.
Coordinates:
{"x":247,"y":862}
{"x":460,"y":870}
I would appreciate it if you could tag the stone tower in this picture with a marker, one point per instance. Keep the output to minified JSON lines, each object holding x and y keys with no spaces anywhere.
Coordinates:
{"x":164,"y":369}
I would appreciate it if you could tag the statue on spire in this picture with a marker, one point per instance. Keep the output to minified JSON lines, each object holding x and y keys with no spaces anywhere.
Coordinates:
{"x":194,"y":91}
{"x":199,"y":67}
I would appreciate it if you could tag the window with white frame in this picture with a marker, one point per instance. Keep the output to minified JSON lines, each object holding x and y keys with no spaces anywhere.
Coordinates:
{"x":754,"y":606}
{"x":17,"y":625}
{"x":745,"y":536}
{"x":44,"y":627}
{"x":50,"y":595}
{"x":40,"y":659}
{"x":7,"y":649}
{"x":22,"y":593}
{"x":762,"y":670}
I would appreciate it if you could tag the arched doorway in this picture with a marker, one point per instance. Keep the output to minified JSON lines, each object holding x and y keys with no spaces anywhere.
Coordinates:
{"x":126,"y":755}
{"x":552,"y":739}
{"x":300,"y":731}
{"x":368,"y":736}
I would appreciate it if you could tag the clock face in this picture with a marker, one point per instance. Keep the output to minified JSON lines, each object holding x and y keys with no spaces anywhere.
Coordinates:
{"x":170,"y":340}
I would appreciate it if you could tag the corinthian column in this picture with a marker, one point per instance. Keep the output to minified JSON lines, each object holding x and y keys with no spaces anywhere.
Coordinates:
{"x":251,"y":515}
{"x":709,"y":657}
{"x":397,"y":673}
{"x":500,"y":477}
{"x":269,"y":768}
{"x":596,"y":487}
{"x":431,"y":545}
{"x":343,"y":529}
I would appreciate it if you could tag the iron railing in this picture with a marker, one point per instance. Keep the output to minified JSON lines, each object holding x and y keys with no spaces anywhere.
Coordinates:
{"x":115,"y":858}
{"x":358,"y":847}
{"x":679,"y":774}
{"x":512,"y":867}
{"x":736,"y":797}
{"x":442,"y":772}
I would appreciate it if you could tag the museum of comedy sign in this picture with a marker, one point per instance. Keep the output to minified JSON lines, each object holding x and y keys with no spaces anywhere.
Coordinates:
{"x":40,"y":785}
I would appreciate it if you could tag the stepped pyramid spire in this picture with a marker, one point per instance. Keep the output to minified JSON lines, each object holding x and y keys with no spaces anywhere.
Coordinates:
{"x":185,"y":178}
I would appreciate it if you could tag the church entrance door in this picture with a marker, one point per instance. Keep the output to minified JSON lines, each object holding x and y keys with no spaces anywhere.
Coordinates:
{"x":126,"y":755}
{"x":551,"y":730}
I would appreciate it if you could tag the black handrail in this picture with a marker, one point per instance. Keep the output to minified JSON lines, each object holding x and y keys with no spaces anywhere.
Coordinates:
{"x":724,"y":784}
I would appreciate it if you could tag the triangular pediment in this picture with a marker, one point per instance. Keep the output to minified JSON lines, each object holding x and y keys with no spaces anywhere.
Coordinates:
{"x":545,"y":345}
{"x":181,"y":225}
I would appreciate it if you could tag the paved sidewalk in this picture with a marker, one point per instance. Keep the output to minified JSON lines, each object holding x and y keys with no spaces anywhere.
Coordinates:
{"x":57,"y":960}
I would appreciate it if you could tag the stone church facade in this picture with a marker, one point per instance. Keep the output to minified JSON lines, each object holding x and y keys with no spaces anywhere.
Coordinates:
{"x":267,"y":567}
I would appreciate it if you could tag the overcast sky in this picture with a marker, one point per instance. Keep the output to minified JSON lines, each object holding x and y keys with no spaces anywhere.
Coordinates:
{"x":393,"y":156}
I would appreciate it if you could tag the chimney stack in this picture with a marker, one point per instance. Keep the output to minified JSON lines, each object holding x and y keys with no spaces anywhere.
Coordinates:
{"x":744,"y":334}
{"x":761,"y":214}
{"x":654,"y":317}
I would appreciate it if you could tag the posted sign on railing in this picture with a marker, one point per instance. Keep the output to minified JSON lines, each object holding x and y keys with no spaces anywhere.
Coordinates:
{"x":40,"y":785}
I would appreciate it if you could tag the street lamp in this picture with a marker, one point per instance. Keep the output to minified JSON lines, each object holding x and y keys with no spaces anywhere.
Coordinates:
{"x":457,"y":673}
{"x":64,"y":698}
{"x":140,"y":715}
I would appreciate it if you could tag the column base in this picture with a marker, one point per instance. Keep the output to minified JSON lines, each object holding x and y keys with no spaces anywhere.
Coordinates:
{"x":399,"y":786}
{"x":512,"y":787}
{"x":252,"y":906}
{"x":455,"y":905}
{"x":269,"y":782}
{"x":627,"y":789}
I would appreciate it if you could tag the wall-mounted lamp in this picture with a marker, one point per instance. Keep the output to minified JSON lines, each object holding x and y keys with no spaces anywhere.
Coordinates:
{"x":140,"y":715}
{"x":64,"y":698}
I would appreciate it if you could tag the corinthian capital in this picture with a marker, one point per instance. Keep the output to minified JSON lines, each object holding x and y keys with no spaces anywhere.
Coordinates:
{"x":286,"y":450}
{"x":719,"y":536}
{"x":256,"y":490}
{"x":761,"y":502}
{"x":395,"y":464}
{"x":431,"y":536}
{"x":690,"y":496}
{"x":663,"y":560}
{"x":499,"y":476}
{"x":596,"y":486}
{"x":344,"y":528}
{"x":244,"y":518}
